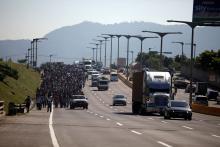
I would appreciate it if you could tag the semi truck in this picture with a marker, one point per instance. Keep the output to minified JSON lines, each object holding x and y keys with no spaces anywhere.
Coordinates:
{"x":151,"y":91}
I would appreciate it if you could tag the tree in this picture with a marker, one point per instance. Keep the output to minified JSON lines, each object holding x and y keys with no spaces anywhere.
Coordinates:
{"x":22,"y":61}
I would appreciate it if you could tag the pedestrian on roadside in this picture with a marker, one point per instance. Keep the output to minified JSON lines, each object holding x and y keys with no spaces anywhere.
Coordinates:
{"x":49,"y":103}
{"x":28,"y":103}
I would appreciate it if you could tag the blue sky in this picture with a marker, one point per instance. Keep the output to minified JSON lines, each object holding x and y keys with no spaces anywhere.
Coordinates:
{"x":27,"y":19}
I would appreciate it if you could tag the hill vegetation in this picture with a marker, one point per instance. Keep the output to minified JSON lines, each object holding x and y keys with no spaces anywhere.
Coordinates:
{"x":17,"y":82}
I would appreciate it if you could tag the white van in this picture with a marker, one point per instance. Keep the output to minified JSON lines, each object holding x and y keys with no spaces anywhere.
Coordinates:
{"x":113,"y":76}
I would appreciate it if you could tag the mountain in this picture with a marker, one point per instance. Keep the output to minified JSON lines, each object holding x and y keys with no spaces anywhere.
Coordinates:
{"x":70,"y":43}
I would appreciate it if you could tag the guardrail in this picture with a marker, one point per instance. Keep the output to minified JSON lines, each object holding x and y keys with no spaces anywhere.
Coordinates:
{"x":195,"y":107}
{"x":1,"y":107}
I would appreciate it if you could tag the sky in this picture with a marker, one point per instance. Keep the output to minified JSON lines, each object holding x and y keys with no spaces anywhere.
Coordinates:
{"x":27,"y":19}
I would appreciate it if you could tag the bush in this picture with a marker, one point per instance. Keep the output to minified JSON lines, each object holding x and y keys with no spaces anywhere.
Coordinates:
{"x":6,"y":70}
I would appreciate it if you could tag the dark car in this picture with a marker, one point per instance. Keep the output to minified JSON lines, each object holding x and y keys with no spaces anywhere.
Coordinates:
{"x":180,"y":83}
{"x":119,"y":100}
{"x":200,"y":99}
{"x":212,"y":95}
{"x":178,"y":109}
{"x":78,"y":101}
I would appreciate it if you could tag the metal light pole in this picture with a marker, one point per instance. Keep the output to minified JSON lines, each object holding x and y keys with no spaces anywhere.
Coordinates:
{"x":106,"y":39}
{"x":132,"y":53}
{"x":141,"y":38}
{"x":93,"y":52}
{"x":192,"y":25}
{"x":162,"y":34}
{"x":111,"y":36}
{"x":32,"y":53}
{"x":96,"y":53}
{"x":36,"y":40}
{"x":181,"y":43}
{"x":118,"y":36}
{"x":29,"y":57}
{"x":194,"y":49}
{"x":128,"y":38}
{"x":50,"y":57}
{"x":100,"y":48}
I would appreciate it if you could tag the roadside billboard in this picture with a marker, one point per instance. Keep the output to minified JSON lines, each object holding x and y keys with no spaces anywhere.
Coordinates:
{"x":206,"y":10}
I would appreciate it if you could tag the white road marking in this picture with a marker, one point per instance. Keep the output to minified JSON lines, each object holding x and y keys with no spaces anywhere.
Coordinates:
{"x":138,"y":133}
{"x":100,"y":99}
{"x":151,"y":118}
{"x":215,"y":136}
{"x":164,"y":144}
{"x":103,"y":102}
{"x":164,"y":122}
{"x":121,"y":111}
{"x":106,"y":105}
{"x":91,"y":112}
{"x":119,"y":124}
{"x":96,"y":114}
{"x":115,"y":109}
{"x":187,"y":127}
{"x":101,"y":116}
{"x":108,"y":119}
{"x":94,"y":93}
{"x":52,"y":133}
{"x":111,"y":107}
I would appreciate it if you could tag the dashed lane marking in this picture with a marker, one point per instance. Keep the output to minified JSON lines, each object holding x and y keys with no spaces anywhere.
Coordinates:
{"x":96,"y":114}
{"x":215,"y":136}
{"x":151,"y":118}
{"x":106,"y":105}
{"x":108,"y":119}
{"x":138,"y":133}
{"x":164,"y":144}
{"x":101,"y":116}
{"x":115,"y":109}
{"x":187,"y":127}
{"x":119,"y":124}
{"x":164,"y":122}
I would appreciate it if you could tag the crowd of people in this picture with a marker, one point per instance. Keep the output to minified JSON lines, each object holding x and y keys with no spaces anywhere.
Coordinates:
{"x":59,"y":83}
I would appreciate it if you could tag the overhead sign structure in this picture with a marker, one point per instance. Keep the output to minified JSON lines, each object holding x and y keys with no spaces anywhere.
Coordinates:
{"x":206,"y":11}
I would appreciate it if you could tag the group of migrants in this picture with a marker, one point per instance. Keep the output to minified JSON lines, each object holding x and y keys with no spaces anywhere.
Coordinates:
{"x":59,"y":83}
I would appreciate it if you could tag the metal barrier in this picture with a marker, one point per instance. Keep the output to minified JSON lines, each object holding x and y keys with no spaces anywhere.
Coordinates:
{"x":1,"y":107}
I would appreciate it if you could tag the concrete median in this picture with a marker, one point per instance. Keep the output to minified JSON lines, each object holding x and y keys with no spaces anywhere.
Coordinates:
{"x":206,"y":110}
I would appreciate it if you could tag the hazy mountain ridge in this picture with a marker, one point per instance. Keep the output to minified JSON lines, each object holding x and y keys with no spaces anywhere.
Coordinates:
{"x":71,"y":41}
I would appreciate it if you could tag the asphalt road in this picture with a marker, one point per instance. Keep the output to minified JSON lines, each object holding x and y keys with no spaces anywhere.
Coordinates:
{"x":104,"y":125}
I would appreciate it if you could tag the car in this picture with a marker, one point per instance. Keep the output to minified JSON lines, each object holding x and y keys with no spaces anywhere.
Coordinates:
{"x":200,"y":99}
{"x":180,"y":83}
{"x":212,"y":95}
{"x":78,"y":101}
{"x":106,"y":71}
{"x":119,"y":100}
{"x":178,"y":109}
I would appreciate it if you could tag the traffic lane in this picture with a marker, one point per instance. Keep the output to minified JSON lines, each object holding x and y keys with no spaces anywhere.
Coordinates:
{"x":83,"y":128}
{"x":26,"y":130}
{"x":152,"y":126}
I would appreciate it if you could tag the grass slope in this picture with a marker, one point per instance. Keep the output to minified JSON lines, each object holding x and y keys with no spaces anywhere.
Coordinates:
{"x":12,"y":90}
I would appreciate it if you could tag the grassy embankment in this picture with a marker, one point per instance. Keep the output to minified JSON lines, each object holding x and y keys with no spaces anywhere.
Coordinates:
{"x":12,"y":90}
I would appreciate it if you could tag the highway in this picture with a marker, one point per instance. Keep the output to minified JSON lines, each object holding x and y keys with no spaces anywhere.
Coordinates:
{"x":106,"y":125}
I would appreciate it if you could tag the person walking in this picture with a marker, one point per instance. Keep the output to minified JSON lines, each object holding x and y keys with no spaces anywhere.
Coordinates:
{"x":28,"y":103}
{"x":49,"y":103}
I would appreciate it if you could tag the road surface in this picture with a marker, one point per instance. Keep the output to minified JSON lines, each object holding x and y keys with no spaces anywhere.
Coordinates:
{"x":104,"y":125}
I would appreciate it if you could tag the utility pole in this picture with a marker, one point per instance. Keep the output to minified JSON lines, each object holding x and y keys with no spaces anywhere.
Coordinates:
{"x":96,"y":51}
{"x":36,"y":40}
{"x":106,"y":39}
{"x":93,"y":52}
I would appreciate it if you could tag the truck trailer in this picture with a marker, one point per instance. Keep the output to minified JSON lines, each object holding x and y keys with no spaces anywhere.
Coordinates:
{"x":151,"y":91}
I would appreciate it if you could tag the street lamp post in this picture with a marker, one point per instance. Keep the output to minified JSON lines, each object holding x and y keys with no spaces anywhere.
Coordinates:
{"x":141,"y":38}
{"x":100,"y":48}
{"x":192,"y":25}
{"x":106,"y":39}
{"x":28,"y":57}
{"x":194,"y":49}
{"x":181,"y":43}
{"x":96,"y":51}
{"x":132,"y":53}
{"x":111,"y":36}
{"x":36,"y":40}
{"x":50,"y":57}
{"x":162,"y":34}
{"x":128,"y":38}
{"x":32,"y":53}
{"x":93,"y":52}
{"x":118,"y":36}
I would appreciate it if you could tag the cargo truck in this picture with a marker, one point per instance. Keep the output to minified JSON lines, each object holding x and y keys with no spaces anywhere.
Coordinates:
{"x":102,"y":83}
{"x":151,"y":91}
